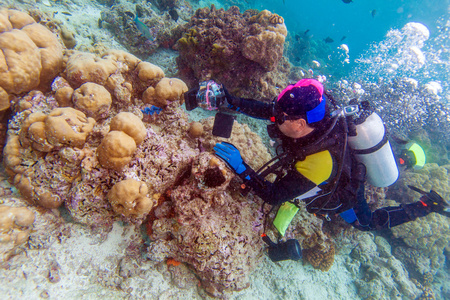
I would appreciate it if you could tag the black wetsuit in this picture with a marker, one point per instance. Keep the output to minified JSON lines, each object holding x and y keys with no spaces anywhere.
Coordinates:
{"x":336,"y":190}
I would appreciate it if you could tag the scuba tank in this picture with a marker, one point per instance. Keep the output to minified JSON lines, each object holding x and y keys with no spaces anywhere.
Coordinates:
{"x":372,"y":148}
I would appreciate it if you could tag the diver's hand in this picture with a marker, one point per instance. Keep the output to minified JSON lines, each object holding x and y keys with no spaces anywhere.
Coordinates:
{"x":231,"y":155}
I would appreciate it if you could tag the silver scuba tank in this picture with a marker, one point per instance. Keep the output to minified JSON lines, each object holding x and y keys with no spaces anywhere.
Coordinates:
{"x":372,"y":148}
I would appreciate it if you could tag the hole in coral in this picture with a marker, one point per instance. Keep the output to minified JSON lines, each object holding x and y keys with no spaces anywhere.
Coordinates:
{"x":214,"y":177}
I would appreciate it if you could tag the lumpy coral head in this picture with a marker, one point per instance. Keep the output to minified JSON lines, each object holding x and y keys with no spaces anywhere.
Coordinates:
{"x":129,"y":198}
{"x":130,"y":124}
{"x":68,"y":127}
{"x":149,"y":73}
{"x":15,"y":226}
{"x":116,"y":150}
{"x":93,"y":100}
{"x":31,"y":55}
{"x":167,"y":90}
{"x":86,"y":67}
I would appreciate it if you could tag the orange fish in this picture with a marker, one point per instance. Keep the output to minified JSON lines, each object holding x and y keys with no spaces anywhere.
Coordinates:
{"x":173,"y":262}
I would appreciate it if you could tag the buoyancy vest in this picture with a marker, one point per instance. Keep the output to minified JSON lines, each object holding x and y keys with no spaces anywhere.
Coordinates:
{"x":328,"y":167}
{"x":334,"y":173}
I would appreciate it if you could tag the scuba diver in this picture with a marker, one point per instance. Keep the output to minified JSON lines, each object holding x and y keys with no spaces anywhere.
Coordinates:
{"x":326,"y":157}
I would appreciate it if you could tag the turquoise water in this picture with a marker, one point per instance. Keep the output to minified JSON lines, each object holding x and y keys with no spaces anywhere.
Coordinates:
{"x":356,"y":21}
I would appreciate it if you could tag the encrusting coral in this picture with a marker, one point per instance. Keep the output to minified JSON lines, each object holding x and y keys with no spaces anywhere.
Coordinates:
{"x":61,"y":127}
{"x":242,"y":51}
{"x":15,"y":227}
{"x":208,"y":229}
{"x":378,"y":274}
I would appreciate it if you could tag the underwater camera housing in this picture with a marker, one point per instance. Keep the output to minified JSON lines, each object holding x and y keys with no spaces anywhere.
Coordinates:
{"x":211,"y":96}
{"x":286,"y":250}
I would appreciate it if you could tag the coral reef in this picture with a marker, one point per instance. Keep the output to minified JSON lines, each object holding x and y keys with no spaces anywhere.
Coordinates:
{"x":430,"y":235}
{"x":123,"y":75}
{"x":117,"y":167}
{"x":207,"y":229}
{"x":130,"y":124}
{"x":242,"y":51}
{"x":379,"y":275}
{"x":71,"y":140}
{"x":164,"y":30}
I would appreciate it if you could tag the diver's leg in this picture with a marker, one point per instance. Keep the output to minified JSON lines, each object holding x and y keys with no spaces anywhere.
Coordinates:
{"x":388,"y":217}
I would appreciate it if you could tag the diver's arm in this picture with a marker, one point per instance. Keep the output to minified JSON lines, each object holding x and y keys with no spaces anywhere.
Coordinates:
{"x":252,"y":108}
{"x":287,"y":188}
{"x":249,"y":107}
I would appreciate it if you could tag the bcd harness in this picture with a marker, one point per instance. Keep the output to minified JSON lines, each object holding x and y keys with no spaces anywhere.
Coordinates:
{"x":319,"y":197}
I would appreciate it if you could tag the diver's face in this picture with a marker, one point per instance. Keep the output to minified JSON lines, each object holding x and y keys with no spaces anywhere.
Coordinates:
{"x":295,"y":128}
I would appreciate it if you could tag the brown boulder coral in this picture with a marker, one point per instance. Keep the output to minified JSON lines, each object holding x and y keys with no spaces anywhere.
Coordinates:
{"x":92,"y":99}
{"x":130,"y":197}
{"x":31,"y":55}
{"x":116,"y":150}
{"x":165,"y":91}
{"x":122,"y":74}
{"x":15,"y":227}
{"x":130,"y":124}
{"x":61,"y":127}
{"x":54,"y":133}
{"x":86,"y":67}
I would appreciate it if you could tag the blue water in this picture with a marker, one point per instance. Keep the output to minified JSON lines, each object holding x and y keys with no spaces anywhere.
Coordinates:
{"x":335,"y":19}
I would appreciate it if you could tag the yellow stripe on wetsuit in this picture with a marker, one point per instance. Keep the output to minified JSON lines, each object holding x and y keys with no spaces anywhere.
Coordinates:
{"x":316,"y":167}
